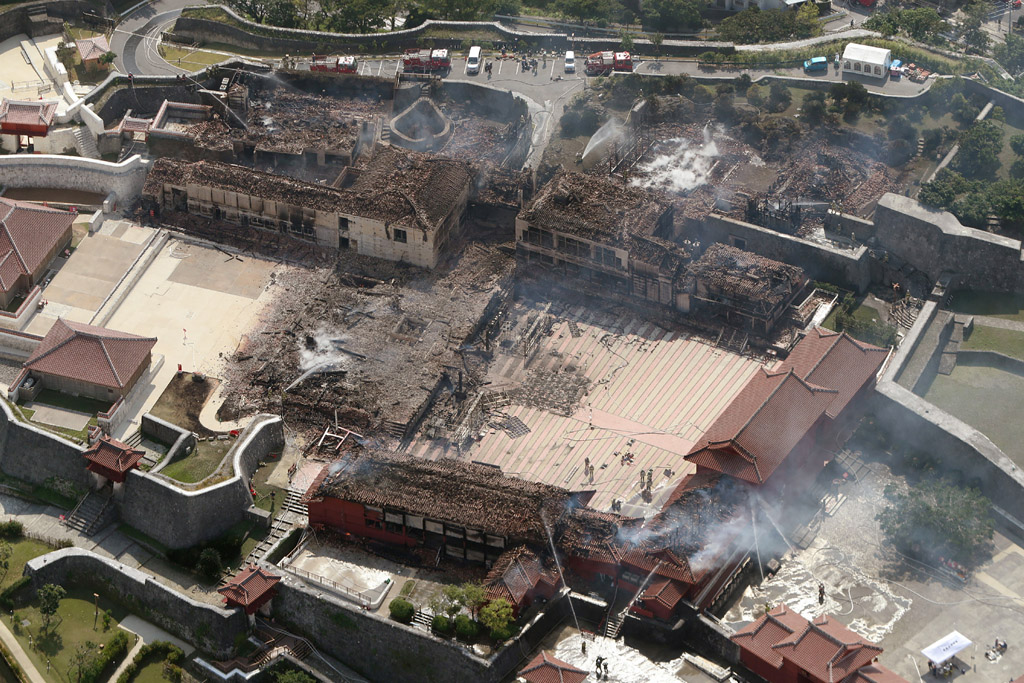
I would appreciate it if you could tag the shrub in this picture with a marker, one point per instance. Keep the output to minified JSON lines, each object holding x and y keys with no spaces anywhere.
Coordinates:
{"x":7,"y":595}
{"x":112,"y":653}
{"x":401,"y":610}
{"x":465,"y":628}
{"x":209,"y":563}
{"x":442,"y":624}
{"x":12,"y":530}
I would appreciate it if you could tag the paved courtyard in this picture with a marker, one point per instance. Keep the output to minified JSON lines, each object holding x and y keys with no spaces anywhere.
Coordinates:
{"x":198,"y":302}
{"x":901,"y":605}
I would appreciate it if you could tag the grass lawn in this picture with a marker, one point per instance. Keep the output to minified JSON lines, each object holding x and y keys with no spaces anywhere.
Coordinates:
{"x":985,"y":338}
{"x":203,"y":461}
{"x":968,"y":394}
{"x":264,"y":489}
{"x":82,"y":33}
{"x":21,"y":552}
{"x":151,"y":673}
{"x":1007,"y":306}
{"x":71,"y":627}
{"x":190,"y":59}
{"x":861,"y":312}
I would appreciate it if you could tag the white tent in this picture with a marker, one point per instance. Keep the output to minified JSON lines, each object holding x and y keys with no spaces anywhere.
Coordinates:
{"x":867,"y":60}
{"x":946,"y":647}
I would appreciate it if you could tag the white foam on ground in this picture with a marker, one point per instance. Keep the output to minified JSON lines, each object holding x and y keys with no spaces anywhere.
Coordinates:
{"x":625,"y":664}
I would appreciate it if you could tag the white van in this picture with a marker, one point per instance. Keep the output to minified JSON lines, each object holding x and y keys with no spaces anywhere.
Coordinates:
{"x":570,"y":62}
{"x":473,"y":63}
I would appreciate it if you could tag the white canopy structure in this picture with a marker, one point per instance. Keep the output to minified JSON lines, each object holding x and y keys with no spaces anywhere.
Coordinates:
{"x":867,"y":60}
{"x":946,"y":647}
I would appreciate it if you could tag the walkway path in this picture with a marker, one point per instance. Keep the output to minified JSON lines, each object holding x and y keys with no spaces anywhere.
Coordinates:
{"x":20,"y":655}
{"x":1003,"y":323}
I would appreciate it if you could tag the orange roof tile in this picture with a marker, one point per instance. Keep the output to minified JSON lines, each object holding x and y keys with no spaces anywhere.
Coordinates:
{"x":824,"y":648}
{"x":22,"y":113}
{"x":28,"y":233}
{"x":876,"y":673}
{"x":762,"y":425}
{"x":90,"y":354}
{"x":248,"y":585}
{"x":546,"y":669}
{"x":92,"y":48}
{"x":113,"y":455}
{"x":837,"y":361}
{"x":516,"y":573}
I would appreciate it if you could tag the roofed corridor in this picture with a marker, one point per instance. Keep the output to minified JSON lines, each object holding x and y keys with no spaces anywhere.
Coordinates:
{"x":643,"y":390}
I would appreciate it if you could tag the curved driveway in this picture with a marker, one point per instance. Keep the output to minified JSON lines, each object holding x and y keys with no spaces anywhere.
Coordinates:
{"x":135,"y":39}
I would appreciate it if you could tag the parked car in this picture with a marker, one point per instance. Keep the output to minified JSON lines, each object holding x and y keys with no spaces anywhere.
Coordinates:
{"x":816,"y":64}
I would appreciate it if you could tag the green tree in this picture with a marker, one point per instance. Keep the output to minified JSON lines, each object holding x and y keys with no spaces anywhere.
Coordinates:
{"x":49,"y":597}
{"x":814,"y":110}
{"x":107,"y":57}
{"x":5,"y":557}
{"x":83,"y":657}
{"x":937,"y":519}
{"x":779,"y":97}
{"x":943,"y":190}
{"x":962,"y":109}
{"x":209,"y":564}
{"x":626,"y":40}
{"x":806,"y":23}
{"x":282,"y":13}
{"x":672,"y":15}
{"x":357,"y":16}
{"x":1017,"y":144}
{"x":971,"y":29}
{"x":1010,"y":53}
{"x":979,"y":150}
{"x":496,"y":615}
{"x":583,"y":10}
{"x":656,"y":40}
{"x":254,"y":9}
{"x":474,"y":596}
{"x":401,"y":610}
{"x":922,"y":24}
{"x":293,"y":676}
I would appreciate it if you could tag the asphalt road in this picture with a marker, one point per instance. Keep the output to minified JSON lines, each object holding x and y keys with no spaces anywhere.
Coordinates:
{"x":135,"y":39}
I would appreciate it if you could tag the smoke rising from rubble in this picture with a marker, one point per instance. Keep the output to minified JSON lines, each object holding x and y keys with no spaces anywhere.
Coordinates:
{"x":321,"y":353}
{"x":683,"y":168}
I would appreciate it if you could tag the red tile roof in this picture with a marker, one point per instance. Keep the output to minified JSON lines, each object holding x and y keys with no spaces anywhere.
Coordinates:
{"x":876,"y":673}
{"x":546,"y":669}
{"x":21,"y":113}
{"x":113,"y":455}
{"x":90,"y":354}
{"x":248,"y":585}
{"x":776,"y":408}
{"x":92,"y":48}
{"x":28,"y":233}
{"x":824,"y":648}
{"x":517,"y":572}
{"x":666,"y":591}
{"x":835,"y":360}
{"x":761,"y":426}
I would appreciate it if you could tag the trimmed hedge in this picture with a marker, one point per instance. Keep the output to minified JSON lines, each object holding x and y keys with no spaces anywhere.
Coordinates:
{"x":442,"y":624}
{"x":112,"y":653}
{"x":12,"y":530}
{"x":401,"y":610}
{"x":157,"y":649}
{"x":7,"y":594}
{"x":466,"y":628}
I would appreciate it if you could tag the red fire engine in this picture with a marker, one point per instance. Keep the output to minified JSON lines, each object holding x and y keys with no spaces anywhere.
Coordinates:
{"x":603,"y":63}
{"x":423,"y":61}
{"x":342,"y":65}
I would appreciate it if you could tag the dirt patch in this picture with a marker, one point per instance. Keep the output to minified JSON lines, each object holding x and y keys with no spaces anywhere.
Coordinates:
{"x":183,"y":400}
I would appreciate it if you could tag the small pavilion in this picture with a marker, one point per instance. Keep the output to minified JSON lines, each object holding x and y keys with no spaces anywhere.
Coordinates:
{"x":250,"y":589}
{"x":112,"y":459}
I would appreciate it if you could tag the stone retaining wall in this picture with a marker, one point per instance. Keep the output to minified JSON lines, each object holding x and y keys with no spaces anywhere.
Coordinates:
{"x":208,"y":628}
{"x":164,"y":510}
{"x":34,"y":455}
{"x":124,"y":179}
{"x":181,"y":440}
{"x":850,"y":268}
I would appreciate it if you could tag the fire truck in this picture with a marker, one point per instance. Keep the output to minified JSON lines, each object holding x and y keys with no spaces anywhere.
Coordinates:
{"x":425,"y":61}
{"x":341,"y":65}
{"x":603,"y":63}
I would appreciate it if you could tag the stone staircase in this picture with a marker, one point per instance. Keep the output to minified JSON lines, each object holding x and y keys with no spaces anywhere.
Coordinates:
{"x":292,"y":503}
{"x":92,"y":513}
{"x":422,"y":620}
{"x":278,"y":529}
{"x":613,"y":626}
{"x":85,"y":144}
{"x":385,"y":132}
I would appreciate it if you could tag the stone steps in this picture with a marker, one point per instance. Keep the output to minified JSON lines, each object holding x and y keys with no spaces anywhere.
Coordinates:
{"x":85,"y":144}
